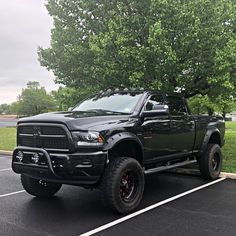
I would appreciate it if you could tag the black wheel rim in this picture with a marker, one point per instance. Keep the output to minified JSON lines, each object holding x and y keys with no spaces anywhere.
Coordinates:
{"x":128,"y":186}
{"x":215,"y":162}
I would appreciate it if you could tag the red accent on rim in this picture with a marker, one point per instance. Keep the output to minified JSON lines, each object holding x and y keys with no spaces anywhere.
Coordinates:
{"x":127,"y":186}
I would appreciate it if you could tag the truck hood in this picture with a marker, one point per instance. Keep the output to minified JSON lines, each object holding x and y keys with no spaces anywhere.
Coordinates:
{"x":81,"y":121}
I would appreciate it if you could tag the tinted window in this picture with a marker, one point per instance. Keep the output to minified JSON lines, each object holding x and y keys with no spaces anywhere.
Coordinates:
{"x":176,"y":106}
{"x":154,"y":100}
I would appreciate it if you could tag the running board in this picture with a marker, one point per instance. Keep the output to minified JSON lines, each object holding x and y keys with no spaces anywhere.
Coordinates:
{"x":167,"y":167}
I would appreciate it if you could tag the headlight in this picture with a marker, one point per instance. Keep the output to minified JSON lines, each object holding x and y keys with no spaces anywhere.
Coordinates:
{"x":90,"y":138}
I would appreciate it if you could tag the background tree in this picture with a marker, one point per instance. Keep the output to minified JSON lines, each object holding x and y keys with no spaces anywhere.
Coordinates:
{"x":4,"y":109}
{"x":67,"y":97}
{"x":188,"y":46}
{"x":226,"y":105}
{"x":15,"y":108}
{"x":204,"y":104}
{"x":34,"y":100}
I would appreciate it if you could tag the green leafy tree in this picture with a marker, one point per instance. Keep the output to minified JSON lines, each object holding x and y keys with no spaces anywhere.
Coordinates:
{"x":34,"y":100}
{"x":15,"y":108}
{"x":225,"y":104}
{"x":188,"y":46}
{"x":203,"y":104}
{"x":67,"y":97}
{"x":4,"y":109}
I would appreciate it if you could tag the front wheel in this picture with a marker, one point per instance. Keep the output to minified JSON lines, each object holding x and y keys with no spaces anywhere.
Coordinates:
{"x":210,"y":164}
{"x":122,"y":185}
{"x":39,"y":188}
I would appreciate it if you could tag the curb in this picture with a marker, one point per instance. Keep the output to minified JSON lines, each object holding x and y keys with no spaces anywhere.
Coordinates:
{"x":228,"y":175}
{"x":8,"y":153}
{"x":197,"y":172}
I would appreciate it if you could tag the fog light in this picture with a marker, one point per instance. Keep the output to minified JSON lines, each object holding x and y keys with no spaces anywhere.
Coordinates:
{"x":19,"y":156}
{"x":35,"y":158}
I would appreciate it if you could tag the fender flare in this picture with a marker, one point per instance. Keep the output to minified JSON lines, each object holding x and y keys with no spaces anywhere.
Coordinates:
{"x":207,"y":137}
{"x":117,"y":138}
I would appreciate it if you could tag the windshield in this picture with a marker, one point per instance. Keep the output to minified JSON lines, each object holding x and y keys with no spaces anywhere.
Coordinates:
{"x":110,"y":103}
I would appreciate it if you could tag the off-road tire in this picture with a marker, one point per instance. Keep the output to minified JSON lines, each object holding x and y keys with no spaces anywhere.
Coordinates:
{"x":210,"y":163}
{"x":113,"y":188}
{"x":39,"y":188}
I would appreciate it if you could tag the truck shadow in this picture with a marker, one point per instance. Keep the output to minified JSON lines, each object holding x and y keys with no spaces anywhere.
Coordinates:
{"x":77,"y":210}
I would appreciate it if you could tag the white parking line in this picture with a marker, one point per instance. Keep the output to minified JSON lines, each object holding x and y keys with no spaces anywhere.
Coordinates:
{"x":5,"y":169}
{"x":13,"y":193}
{"x":125,"y":218}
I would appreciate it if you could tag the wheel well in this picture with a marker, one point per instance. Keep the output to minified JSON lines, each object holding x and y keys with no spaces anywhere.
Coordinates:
{"x":128,"y":148}
{"x":215,"y":138}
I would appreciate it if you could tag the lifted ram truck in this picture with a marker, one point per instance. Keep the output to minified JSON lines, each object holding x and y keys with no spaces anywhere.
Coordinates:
{"x":111,"y":141}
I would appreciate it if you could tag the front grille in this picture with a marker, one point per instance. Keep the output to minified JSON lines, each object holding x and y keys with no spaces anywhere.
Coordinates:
{"x":27,"y":141}
{"x":54,"y":143}
{"x":43,"y":136}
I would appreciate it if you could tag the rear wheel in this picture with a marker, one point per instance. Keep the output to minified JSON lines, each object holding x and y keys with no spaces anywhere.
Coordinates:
{"x":39,"y":188}
{"x":210,"y":164}
{"x":122,"y":185}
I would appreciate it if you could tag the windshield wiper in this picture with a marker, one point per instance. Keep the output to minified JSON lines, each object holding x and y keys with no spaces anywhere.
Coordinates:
{"x":107,"y":111}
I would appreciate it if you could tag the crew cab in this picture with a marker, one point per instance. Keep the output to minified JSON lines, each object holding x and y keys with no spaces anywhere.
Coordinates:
{"x":111,"y":140}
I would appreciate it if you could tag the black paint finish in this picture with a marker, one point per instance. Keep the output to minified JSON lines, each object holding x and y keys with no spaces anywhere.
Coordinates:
{"x":154,"y":138}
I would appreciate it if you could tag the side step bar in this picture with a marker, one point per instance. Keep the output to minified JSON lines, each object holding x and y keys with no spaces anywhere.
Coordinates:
{"x":167,"y":167}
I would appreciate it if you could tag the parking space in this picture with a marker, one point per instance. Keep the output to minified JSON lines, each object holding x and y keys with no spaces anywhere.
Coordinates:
{"x":5,"y":162}
{"x":74,"y":211}
{"x":211,"y":211}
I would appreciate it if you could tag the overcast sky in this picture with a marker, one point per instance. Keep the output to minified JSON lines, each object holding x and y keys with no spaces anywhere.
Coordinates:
{"x":24,"y":25}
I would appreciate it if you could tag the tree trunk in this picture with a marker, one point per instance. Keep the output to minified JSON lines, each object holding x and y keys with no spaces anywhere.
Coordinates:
{"x":210,"y":111}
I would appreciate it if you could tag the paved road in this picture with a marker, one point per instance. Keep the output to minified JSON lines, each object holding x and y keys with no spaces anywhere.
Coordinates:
{"x":7,"y":122}
{"x":73,"y":211}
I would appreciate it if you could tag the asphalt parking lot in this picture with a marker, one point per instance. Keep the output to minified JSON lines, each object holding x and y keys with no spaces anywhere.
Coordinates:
{"x":75,"y":211}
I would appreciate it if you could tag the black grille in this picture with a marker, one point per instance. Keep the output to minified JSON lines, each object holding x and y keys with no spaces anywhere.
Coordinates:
{"x":47,"y":130}
{"x":26,"y":129}
{"x":27,"y":141}
{"x":55,"y":143}
{"x":43,"y":136}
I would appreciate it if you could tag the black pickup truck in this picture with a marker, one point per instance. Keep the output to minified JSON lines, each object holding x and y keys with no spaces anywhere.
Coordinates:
{"x":111,"y":141}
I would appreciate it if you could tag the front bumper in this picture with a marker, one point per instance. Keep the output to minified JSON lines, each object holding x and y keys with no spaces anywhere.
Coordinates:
{"x":74,"y":168}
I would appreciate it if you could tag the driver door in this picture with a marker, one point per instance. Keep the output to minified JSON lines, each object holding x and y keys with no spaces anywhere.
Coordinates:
{"x":156,"y":131}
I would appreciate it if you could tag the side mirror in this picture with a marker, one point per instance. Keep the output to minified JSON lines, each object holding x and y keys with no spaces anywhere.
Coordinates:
{"x":157,"y":110}
{"x":70,"y":108}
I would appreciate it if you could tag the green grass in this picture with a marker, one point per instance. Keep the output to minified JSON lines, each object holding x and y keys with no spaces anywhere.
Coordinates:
{"x":229,"y":149}
{"x":7,"y":139}
{"x":8,"y":142}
